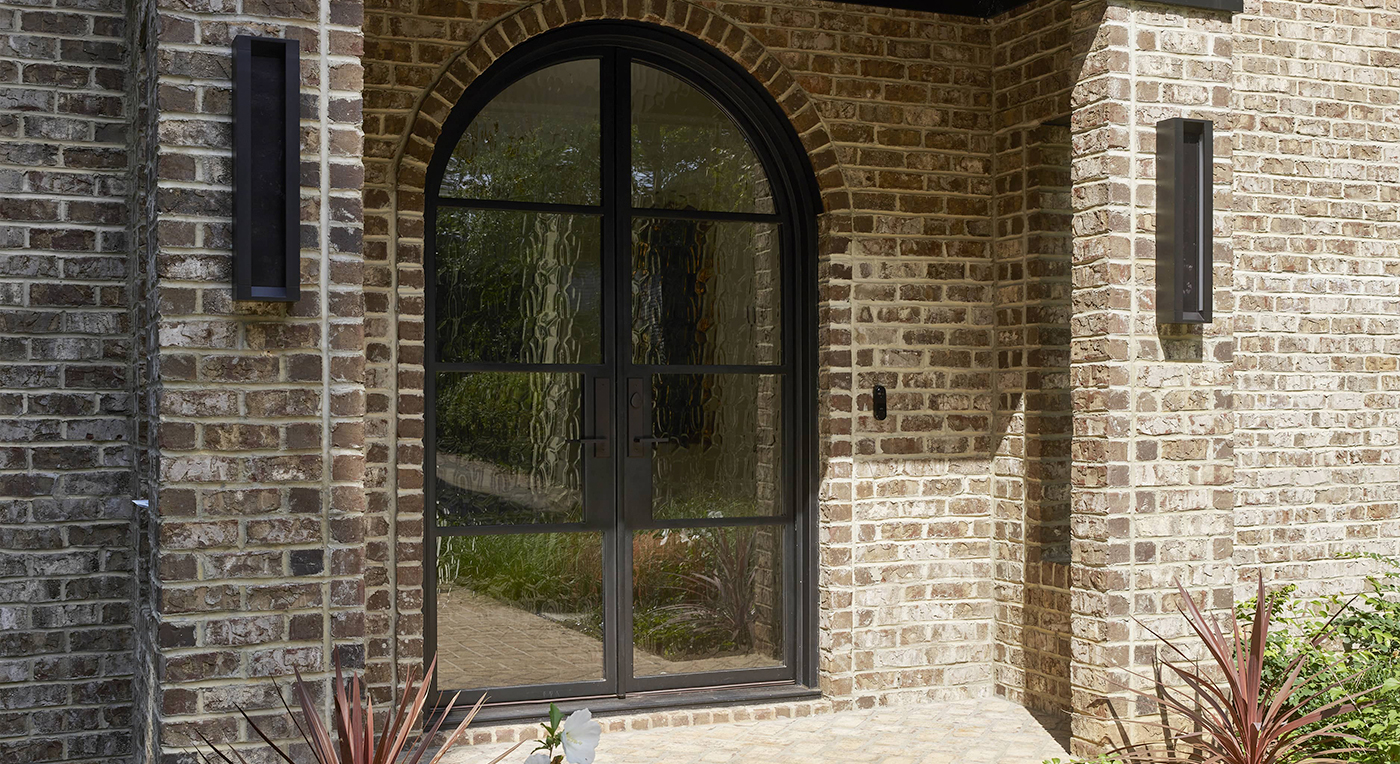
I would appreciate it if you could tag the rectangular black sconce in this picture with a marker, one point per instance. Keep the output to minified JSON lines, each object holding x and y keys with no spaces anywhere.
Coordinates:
{"x":1185,"y":288}
{"x":266,"y":169}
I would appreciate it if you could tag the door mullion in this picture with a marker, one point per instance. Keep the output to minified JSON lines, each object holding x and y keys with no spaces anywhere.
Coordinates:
{"x":608,"y":514}
{"x":622,"y":226}
{"x":616,"y":198}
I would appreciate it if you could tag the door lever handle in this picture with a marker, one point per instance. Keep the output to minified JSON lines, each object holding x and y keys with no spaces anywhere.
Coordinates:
{"x":653,"y":440}
{"x":600,"y":444}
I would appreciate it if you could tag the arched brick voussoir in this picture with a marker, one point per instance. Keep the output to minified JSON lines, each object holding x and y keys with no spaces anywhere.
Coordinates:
{"x":430,"y":113}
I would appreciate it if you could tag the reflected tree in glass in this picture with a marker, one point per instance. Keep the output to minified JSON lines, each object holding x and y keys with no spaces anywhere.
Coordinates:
{"x":537,"y":141}
{"x":518,"y":287}
{"x":687,"y":153}
{"x":705,"y":292}
{"x":502,"y":450}
{"x":723,"y":456}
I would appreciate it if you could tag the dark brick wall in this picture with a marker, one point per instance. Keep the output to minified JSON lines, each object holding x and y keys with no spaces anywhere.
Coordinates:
{"x":65,"y":352}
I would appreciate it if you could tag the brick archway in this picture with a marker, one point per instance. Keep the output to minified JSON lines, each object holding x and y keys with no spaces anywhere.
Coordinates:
{"x":395,"y":282}
{"x":416,"y":146}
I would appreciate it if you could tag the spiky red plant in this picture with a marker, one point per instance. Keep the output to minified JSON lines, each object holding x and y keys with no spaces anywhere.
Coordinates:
{"x":1238,"y":719}
{"x":353,"y":720}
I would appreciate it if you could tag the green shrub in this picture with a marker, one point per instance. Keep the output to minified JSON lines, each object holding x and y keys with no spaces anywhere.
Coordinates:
{"x":1366,"y":652}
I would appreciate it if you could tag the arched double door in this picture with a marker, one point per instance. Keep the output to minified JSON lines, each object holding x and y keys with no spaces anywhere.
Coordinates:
{"x":619,"y":376}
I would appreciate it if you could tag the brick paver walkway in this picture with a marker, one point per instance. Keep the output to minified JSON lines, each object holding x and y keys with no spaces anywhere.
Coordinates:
{"x":962,"y":732}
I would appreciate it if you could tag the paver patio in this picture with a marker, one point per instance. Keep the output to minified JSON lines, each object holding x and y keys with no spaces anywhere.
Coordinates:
{"x":990,"y":731}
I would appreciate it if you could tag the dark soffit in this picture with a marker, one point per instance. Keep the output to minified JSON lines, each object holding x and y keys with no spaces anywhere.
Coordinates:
{"x":986,"y":9}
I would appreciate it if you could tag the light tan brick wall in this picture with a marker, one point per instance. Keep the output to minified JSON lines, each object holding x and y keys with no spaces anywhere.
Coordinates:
{"x":1316,"y":238}
{"x":1030,"y":537}
{"x":1265,"y":441}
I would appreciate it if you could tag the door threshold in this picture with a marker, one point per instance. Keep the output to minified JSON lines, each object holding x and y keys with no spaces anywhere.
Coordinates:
{"x":611,"y":705}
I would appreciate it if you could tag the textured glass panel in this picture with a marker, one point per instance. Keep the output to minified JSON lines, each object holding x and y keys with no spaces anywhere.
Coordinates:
{"x":687,"y":154}
{"x":536,"y":142}
{"x":519,"y":609}
{"x":707,"y":599}
{"x":503,"y":456}
{"x":705,"y":292}
{"x":722,"y":456}
{"x":518,"y":287}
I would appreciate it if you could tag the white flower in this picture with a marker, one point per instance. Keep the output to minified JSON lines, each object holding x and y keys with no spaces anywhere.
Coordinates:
{"x":581,"y":735}
{"x":538,"y":757}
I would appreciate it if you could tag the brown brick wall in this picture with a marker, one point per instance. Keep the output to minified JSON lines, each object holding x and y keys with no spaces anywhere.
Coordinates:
{"x":65,"y":353}
{"x":990,"y":264}
{"x":1030,"y":538}
{"x":896,"y":111}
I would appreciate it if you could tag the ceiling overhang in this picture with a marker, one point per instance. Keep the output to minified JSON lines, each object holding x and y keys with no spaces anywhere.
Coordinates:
{"x":986,"y":9}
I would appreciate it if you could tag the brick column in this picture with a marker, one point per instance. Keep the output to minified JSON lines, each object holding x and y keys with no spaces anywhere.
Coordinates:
{"x":1152,"y":450}
{"x":253,"y":411}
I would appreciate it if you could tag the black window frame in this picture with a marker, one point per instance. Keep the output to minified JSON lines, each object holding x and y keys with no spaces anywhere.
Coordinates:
{"x":797,"y":203}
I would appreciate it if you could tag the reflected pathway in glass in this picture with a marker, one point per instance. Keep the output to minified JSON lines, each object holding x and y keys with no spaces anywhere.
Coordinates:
{"x":485,"y":643}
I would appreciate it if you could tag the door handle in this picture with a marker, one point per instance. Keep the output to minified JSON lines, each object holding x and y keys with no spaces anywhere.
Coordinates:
{"x":638,"y":418}
{"x":653,"y":440}
{"x":602,"y":422}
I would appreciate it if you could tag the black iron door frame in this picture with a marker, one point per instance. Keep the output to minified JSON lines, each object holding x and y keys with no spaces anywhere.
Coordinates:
{"x":608,"y":387}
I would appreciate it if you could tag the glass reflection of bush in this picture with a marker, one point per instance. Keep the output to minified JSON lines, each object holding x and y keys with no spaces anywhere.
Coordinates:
{"x":696,"y":592}
{"x":503,"y":456}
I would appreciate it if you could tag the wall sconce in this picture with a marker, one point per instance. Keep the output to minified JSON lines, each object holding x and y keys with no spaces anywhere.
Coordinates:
{"x":1185,"y":289}
{"x":266,"y":169}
